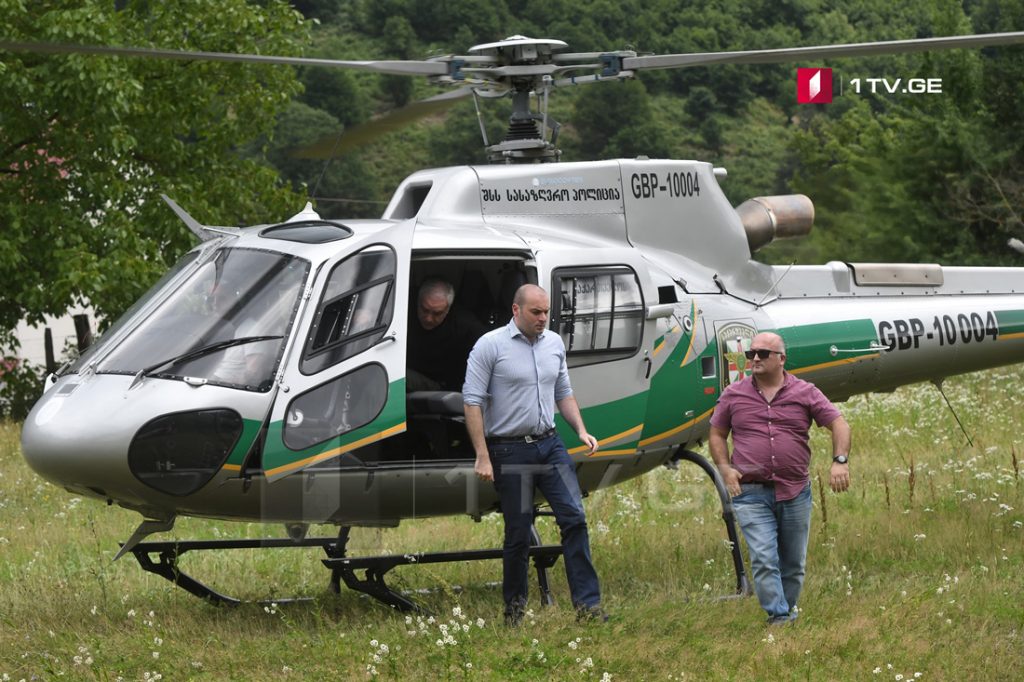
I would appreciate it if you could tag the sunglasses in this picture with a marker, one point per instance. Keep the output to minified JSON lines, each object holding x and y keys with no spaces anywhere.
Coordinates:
{"x":762,"y":353}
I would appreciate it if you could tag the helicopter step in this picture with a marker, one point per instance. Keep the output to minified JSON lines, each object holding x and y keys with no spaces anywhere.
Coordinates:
{"x":343,"y":568}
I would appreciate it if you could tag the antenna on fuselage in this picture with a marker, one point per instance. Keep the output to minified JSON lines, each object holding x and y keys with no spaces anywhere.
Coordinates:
{"x":775,"y":284}
{"x":938,"y":385}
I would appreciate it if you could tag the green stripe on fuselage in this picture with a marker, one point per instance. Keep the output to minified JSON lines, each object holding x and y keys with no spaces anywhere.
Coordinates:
{"x":1010,"y":322}
{"x":810,"y":345}
{"x":250,"y":429}
{"x":608,"y":419}
{"x":677,"y":389}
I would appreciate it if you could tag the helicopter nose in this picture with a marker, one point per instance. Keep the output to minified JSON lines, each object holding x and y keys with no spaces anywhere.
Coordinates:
{"x":101,"y":437}
{"x":79,"y":449}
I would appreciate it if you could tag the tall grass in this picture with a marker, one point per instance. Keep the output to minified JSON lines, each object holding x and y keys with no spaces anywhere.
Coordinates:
{"x":917,"y":572}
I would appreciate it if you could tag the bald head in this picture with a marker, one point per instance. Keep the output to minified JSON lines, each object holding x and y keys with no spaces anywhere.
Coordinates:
{"x":768,"y":370}
{"x":527,"y":291}
{"x":769,"y":340}
{"x":530,"y":308}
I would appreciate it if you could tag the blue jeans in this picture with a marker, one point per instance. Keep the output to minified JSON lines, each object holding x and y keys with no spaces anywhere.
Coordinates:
{"x":776,"y":535}
{"x":520,"y":468}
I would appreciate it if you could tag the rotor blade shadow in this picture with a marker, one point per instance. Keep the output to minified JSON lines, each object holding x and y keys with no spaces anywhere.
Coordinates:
{"x":336,"y":144}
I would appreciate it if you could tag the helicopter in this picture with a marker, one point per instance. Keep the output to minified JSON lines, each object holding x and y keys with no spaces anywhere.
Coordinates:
{"x":263,"y":378}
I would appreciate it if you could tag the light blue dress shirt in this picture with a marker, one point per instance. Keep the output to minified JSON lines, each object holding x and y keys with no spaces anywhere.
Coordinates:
{"x":515,"y":382}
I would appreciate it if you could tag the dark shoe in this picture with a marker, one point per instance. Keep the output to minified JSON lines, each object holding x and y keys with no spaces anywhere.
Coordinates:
{"x":591,"y":613}
{"x":514,"y":614}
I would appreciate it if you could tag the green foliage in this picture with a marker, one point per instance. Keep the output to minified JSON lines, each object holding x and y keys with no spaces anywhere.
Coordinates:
{"x":88,"y":144}
{"x":618,"y":120}
{"x":935,"y":178}
{"x":21,"y":384}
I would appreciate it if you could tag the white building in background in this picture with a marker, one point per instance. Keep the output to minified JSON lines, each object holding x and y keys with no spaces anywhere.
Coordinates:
{"x":33,"y":343}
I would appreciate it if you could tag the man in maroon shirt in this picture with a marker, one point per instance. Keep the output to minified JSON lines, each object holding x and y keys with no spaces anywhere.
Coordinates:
{"x":769,"y":416}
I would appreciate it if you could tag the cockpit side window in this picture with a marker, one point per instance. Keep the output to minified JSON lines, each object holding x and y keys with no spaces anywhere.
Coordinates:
{"x":355,"y":309}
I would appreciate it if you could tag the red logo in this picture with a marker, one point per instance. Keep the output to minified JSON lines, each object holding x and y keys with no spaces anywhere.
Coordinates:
{"x":813,"y":86}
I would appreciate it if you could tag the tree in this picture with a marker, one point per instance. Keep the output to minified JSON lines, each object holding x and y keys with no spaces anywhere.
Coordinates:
{"x":88,"y":143}
{"x":617,"y":120}
{"x":923,"y":178}
{"x":340,"y":187}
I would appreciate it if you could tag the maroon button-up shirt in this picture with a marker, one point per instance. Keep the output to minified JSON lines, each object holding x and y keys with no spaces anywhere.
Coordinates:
{"x":770,"y":440}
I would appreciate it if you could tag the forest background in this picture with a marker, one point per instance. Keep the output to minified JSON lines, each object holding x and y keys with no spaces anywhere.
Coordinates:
{"x":87,"y":144}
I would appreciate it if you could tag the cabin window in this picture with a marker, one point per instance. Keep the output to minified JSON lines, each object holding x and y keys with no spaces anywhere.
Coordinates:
{"x":598,"y":312}
{"x":355,"y":309}
{"x":337,"y":407}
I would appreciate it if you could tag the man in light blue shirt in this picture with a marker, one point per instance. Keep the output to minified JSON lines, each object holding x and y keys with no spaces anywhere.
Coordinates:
{"x":515,"y":378}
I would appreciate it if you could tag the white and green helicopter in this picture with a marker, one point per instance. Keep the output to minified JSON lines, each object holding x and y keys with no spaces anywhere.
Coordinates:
{"x":263,"y":378}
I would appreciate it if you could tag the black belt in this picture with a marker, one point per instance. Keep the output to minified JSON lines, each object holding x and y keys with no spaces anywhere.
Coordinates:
{"x":510,"y":440}
{"x":766,"y":484}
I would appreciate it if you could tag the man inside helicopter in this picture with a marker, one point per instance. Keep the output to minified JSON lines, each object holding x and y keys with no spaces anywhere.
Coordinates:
{"x":440,"y":338}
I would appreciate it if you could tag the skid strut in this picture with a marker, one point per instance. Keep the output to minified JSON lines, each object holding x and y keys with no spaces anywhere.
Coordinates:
{"x":375,"y":568}
{"x":167,"y":554}
{"x":728,"y":515}
{"x":343,"y":568}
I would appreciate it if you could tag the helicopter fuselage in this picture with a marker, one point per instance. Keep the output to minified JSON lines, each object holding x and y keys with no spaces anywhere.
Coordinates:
{"x":264,"y":377}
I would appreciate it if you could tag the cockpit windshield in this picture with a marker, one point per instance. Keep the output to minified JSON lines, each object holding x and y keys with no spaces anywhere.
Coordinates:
{"x":227,"y":323}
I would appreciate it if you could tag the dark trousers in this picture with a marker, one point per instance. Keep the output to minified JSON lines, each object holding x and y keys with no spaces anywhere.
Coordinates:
{"x":519,"y":469}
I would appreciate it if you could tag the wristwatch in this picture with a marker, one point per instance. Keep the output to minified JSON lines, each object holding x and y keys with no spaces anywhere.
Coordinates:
{"x":841,"y":459}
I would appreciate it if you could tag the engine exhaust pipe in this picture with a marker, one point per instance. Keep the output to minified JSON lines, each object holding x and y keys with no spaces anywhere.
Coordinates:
{"x":778,"y":217}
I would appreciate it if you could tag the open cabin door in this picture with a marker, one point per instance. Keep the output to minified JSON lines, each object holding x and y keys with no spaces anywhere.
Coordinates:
{"x":344,"y":380}
{"x":599,"y":302}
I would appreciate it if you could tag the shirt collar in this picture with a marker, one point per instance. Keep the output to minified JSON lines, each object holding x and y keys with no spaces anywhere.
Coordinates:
{"x":786,"y":380}
{"x":514,"y":331}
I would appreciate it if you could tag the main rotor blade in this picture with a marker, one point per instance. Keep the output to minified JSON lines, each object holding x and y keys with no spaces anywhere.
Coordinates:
{"x":396,"y":67}
{"x":331,"y":146}
{"x":668,"y":61}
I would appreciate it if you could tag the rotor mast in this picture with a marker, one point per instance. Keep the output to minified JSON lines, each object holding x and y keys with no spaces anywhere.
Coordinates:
{"x":523,"y":65}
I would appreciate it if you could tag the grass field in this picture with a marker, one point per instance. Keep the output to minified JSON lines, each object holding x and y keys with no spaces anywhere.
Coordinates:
{"x":918,"y":573}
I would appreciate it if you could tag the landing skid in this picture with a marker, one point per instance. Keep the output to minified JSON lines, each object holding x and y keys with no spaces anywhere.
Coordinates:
{"x":743,"y":588}
{"x":375,"y":568}
{"x":343,"y":568}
